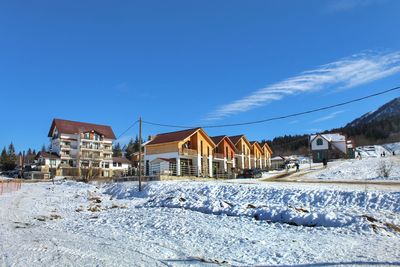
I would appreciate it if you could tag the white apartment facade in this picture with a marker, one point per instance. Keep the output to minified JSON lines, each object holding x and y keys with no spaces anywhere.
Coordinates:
{"x":82,"y":145}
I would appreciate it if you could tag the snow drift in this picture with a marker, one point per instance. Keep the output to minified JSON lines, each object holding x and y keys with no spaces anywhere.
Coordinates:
{"x":304,"y":206}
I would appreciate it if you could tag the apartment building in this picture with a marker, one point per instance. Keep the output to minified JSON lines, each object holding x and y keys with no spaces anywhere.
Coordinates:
{"x":82,"y":145}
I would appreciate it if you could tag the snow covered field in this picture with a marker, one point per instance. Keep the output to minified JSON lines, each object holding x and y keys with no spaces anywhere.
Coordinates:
{"x":198,"y":223}
{"x":365,"y":169}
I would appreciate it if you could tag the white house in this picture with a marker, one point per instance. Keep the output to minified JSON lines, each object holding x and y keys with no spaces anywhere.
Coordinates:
{"x":120,"y":166}
{"x":328,"y":146}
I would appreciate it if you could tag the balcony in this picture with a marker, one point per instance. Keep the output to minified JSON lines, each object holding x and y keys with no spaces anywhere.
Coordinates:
{"x":188,"y":152}
{"x":91,"y":157}
{"x":219,"y":156}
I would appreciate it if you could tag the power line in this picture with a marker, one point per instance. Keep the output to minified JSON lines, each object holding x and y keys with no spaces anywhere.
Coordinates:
{"x":130,"y":127}
{"x":278,"y":117}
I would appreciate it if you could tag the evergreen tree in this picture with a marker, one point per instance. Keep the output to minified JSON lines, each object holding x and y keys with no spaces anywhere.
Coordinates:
{"x":43,"y":149}
{"x":8,"y":158}
{"x":136,"y":145}
{"x":3,"y":159}
{"x":117,"y":151}
{"x":130,"y":149}
{"x":12,"y":157}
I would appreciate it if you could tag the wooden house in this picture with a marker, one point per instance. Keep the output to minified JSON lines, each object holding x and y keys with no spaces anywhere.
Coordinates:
{"x":189,"y":152}
{"x":243,"y":151}
{"x":223,"y":156}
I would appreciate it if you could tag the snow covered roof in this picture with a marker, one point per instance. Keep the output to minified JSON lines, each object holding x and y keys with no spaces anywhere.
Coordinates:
{"x":330,"y":137}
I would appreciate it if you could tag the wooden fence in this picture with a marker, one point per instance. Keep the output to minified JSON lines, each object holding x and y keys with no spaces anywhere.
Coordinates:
{"x":7,"y":186}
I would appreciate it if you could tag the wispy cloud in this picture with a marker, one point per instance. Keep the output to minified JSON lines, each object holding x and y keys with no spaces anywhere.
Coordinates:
{"x":329,"y":116}
{"x":342,"y":5}
{"x":122,"y":87}
{"x":342,"y":74}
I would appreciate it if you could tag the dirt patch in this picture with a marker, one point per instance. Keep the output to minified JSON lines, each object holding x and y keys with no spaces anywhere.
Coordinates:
{"x":43,"y":218}
{"x":19,"y":225}
{"x":96,"y":208}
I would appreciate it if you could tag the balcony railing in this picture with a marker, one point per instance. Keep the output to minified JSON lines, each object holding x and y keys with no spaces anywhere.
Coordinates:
{"x":219,"y":155}
{"x":188,"y":152}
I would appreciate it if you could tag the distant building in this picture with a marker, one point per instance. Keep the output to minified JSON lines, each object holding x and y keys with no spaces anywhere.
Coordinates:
{"x":329,"y":146}
{"x":120,"y":166}
{"x":277,"y":162}
{"x":82,"y":145}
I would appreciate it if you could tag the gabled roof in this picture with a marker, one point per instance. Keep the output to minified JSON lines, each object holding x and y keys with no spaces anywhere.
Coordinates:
{"x":255,"y":143}
{"x":75,"y":127}
{"x":330,"y":137}
{"x":268,"y":147}
{"x":47,"y":155}
{"x":218,"y":139}
{"x":121,"y":160}
{"x":236,"y":138}
{"x":172,"y":136}
{"x":177,"y":136}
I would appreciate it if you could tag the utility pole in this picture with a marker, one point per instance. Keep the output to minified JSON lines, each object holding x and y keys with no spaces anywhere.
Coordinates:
{"x":309,"y":150}
{"x":140,"y":153}
{"x":51,"y":163}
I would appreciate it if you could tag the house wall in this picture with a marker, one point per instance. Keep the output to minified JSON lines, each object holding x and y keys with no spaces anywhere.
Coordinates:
{"x":267,"y":157}
{"x":246,"y":154}
{"x":223,"y":145}
{"x":257,"y":154}
{"x":324,"y":146}
{"x":162,"y":148}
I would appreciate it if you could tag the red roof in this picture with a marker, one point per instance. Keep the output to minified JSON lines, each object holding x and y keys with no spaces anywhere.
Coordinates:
{"x":121,"y":160}
{"x":217,"y":139}
{"x":47,"y":155}
{"x":74,"y":127}
{"x":172,"y":136}
{"x":235,"y":139}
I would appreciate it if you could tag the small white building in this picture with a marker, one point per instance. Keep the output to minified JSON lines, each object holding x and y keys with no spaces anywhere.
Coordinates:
{"x":328,"y":146}
{"x":48,"y":159}
{"x":120,"y":166}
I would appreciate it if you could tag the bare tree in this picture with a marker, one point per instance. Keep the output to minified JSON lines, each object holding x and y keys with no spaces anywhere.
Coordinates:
{"x":385,"y":168}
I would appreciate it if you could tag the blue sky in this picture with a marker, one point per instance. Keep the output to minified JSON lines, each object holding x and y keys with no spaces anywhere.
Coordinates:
{"x":192,"y":63}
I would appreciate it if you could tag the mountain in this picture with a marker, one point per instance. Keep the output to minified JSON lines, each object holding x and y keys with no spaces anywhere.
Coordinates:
{"x":377,"y":127}
{"x":386,"y":111}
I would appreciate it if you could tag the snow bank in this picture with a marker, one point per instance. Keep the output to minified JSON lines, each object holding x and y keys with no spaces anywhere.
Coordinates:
{"x":279,"y":204}
{"x":365,"y":169}
{"x":375,"y":151}
{"x":393,"y":147}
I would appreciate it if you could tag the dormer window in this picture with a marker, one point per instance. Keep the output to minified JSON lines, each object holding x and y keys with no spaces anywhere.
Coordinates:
{"x":320,"y":142}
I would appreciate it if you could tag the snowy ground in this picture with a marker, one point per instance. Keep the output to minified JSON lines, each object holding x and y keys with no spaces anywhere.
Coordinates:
{"x":198,"y":223}
{"x":364,"y":169}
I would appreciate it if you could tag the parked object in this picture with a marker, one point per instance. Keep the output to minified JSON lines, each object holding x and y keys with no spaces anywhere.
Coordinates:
{"x":251,"y":173}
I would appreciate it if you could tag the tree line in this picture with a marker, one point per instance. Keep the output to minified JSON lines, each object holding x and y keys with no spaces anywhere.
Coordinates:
{"x":9,"y":159}
{"x":127,"y":150}
{"x":375,"y":132}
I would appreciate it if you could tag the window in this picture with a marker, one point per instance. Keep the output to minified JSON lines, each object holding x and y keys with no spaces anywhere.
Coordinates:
{"x":119,"y":164}
{"x":114,"y":164}
{"x":201,"y":148}
{"x":320,"y":142}
{"x":208,"y":151}
{"x":226,"y":152}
